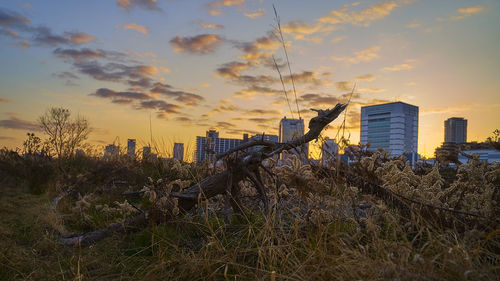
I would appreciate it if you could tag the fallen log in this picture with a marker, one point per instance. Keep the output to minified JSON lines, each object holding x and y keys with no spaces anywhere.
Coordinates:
{"x":241,"y":165}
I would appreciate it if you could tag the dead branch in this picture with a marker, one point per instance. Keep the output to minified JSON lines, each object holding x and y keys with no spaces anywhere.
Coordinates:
{"x":242,"y":165}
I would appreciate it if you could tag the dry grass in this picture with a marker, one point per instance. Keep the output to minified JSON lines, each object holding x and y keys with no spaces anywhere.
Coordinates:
{"x":332,"y":232}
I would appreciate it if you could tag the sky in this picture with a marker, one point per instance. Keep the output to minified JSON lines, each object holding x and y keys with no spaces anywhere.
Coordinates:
{"x":174,"y":69}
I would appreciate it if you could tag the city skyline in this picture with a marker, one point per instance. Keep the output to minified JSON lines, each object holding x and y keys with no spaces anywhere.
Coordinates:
{"x":198,"y":65}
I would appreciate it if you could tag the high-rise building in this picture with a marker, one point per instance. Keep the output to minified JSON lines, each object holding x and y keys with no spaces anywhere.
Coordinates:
{"x":455,"y":130}
{"x":292,"y":129}
{"x":131,"y":148}
{"x":329,"y":150}
{"x":111,"y":150}
{"x":179,"y":151}
{"x":391,"y":126}
{"x":211,"y":144}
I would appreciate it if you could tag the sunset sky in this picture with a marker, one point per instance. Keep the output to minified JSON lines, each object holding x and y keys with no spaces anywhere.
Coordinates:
{"x":196,"y":65}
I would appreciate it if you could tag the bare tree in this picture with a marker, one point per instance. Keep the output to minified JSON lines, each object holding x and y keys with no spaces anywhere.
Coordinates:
{"x":65,"y":133}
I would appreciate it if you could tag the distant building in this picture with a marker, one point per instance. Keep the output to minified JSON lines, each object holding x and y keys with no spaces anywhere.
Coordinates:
{"x":391,"y":126}
{"x":211,"y":145}
{"x":292,"y":129}
{"x":131,"y":148}
{"x":111,"y":150}
{"x":329,"y":150}
{"x":488,"y":155}
{"x":147,"y":154}
{"x":259,"y":137}
{"x":179,"y":151}
{"x":455,"y":130}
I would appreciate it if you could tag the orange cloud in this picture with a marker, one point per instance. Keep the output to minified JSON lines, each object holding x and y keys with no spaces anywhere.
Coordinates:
{"x":256,"y":14}
{"x":215,"y":6}
{"x":365,"y":55}
{"x":300,"y":29}
{"x":364,"y":17}
{"x":467,"y":12}
{"x":399,"y":67}
{"x":79,"y":37}
{"x":137,"y":27}
{"x":207,"y":25}
{"x":367,"y":77}
{"x":202,"y":44}
{"x":338,"y":39}
{"x":471,"y":10}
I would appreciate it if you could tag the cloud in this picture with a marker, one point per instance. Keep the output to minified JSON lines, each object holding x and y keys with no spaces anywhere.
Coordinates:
{"x":338,"y":39}
{"x":364,"y":17}
{"x":214,"y":7}
{"x":263,"y":112}
{"x":12,"y":19}
{"x":253,"y":90}
{"x":143,"y":4}
{"x":259,"y":50}
{"x":413,"y":25}
{"x":232,"y":69}
{"x":23,"y":44}
{"x":186,"y":98}
{"x":449,"y":109}
{"x":224,"y":106}
{"x":398,"y":67}
{"x":75,"y":54}
{"x":345,"y":86}
{"x":367,"y":77}
{"x":306,"y":77}
{"x":18,"y":124}
{"x":79,"y":38}
{"x":137,"y":27}
{"x":463,"y":13}
{"x":371,"y":90}
{"x":9,"y":33}
{"x":262,"y":121}
{"x":2,"y":100}
{"x":207,"y":25}
{"x":107,"y":93}
{"x":160,"y":105}
{"x":300,"y":29}
{"x":201,"y":44}
{"x":67,"y":76}
{"x":365,"y":55}
{"x":139,"y":101}
{"x":242,"y":131}
{"x":318,"y":100}
{"x":255,"y":14}
{"x":116,"y":72}
{"x":44,"y":36}
{"x":12,"y":24}
{"x":471,"y":10}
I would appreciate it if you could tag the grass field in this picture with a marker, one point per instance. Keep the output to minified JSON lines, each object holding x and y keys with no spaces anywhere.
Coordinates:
{"x":319,"y":229}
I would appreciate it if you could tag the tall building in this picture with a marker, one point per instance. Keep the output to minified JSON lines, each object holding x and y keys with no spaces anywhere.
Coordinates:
{"x":292,"y":129}
{"x":131,"y":147}
{"x":329,"y":150}
{"x":111,"y":150}
{"x":455,"y":130}
{"x":179,"y":151}
{"x":391,"y":126}
{"x":211,"y":144}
